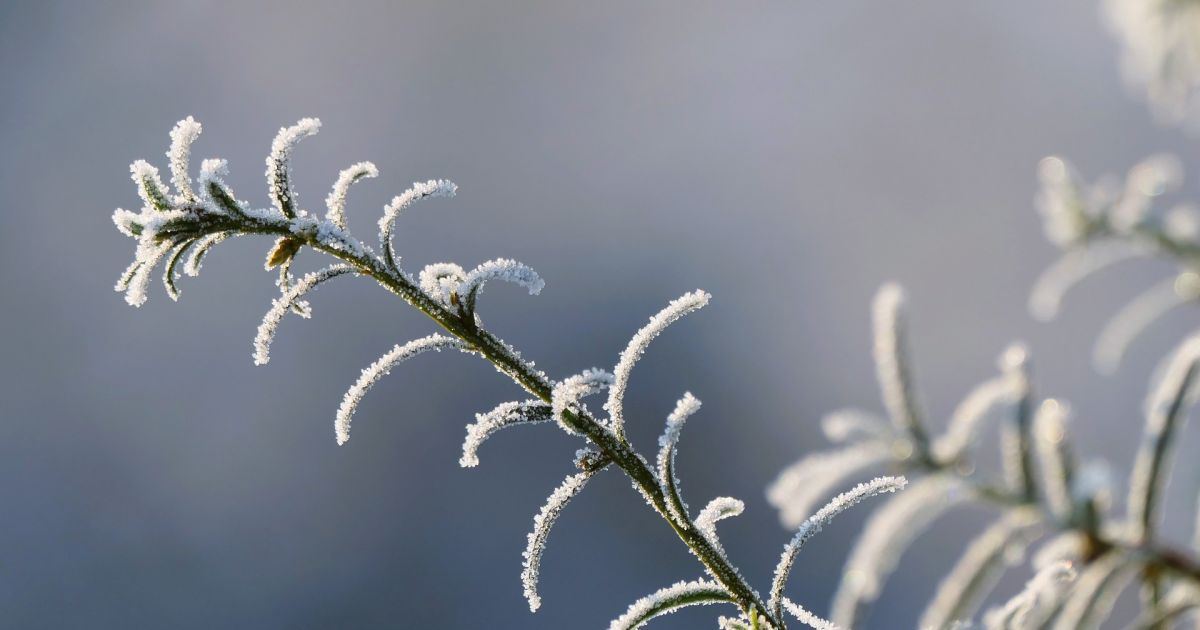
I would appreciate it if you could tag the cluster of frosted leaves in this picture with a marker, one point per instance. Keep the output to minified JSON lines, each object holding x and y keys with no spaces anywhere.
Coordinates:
{"x":1053,"y":491}
{"x":443,"y":281}
{"x":177,"y":226}
{"x":1160,"y":55}
{"x":1097,"y":225}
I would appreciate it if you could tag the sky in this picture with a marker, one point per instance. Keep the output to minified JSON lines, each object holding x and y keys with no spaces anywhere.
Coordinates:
{"x":787,"y":157}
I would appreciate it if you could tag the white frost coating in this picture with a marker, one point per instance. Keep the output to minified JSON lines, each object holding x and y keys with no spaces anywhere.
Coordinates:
{"x":1060,"y":199}
{"x":280,"y":307}
{"x":419,"y":190}
{"x":1160,"y":56}
{"x":567,"y":393}
{"x":979,"y":568}
{"x":504,"y":415}
{"x":816,"y":522}
{"x":667,"y":442}
{"x":377,"y":370}
{"x":980,"y":404}
{"x":892,"y":367}
{"x":1071,"y":269}
{"x":195,"y":259}
{"x":855,"y":425}
{"x":1095,"y":592}
{"x":501,"y":269}
{"x":888,"y":532}
{"x":541,"y":531}
{"x":670,"y":599}
{"x":1036,"y":602}
{"x":1148,"y":179}
{"x":149,"y":256}
{"x":182,"y":136}
{"x":804,"y":485}
{"x":1049,"y":436}
{"x":687,"y":303}
{"x":440,"y":281}
{"x":149,"y":186}
{"x":717,"y":509}
{"x":1015,"y":447}
{"x":335,"y":203}
{"x":125,"y":221}
{"x":279,"y":175}
{"x":807,"y":618}
{"x":1167,"y":408}
{"x":1138,"y":315}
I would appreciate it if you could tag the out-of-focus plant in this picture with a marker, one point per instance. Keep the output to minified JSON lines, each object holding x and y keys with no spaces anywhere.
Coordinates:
{"x":1160,"y":54}
{"x":1090,"y":551}
{"x":176,"y":229}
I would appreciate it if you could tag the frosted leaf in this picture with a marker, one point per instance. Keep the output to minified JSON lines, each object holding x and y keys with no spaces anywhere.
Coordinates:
{"x":1095,"y":592}
{"x":815,"y":523}
{"x":1062,"y":202}
{"x":855,"y":425}
{"x":716,"y":510}
{"x":687,"y":303}
{"x":807,"y":618}
{"x":1160,"y":57}
{"x":888,"y":532}
{"x":893,"y":366}
{"x":979,"y":568}
{"x":1153,"y":176}
{"x":440,"y":282}
{"x":335,"y":203}
{"x":128,"y":223}
{"x":1167,"y":409}
{"x":280,"y":307}
{"x":567,"y":393}
{"x":126,"y":276}
{"x":1181,"y":600}
{"x":804,"y":485}
{"x":1016,"y":444}
{"x":195,"y":259}
{"x":1071,"y":269}
{"x":1049,"y":438}
{"x":1138,"y":314}
{"x":381,"y":367}
{"x":182,"y":136}
{"x":499,"y":269}
{"x":542,"y":523}
{"x":980,"y":404}
{"x":169,"y":273}
{"x":504,"y":415}
{"x":279,"y":166}
{"x":667,"y":442}
{"x":1035,"y":604}
{"x":670,"y":599}
{"x":149,"y":185}
{"x":139,"y":282}
{"x":419,"y":190}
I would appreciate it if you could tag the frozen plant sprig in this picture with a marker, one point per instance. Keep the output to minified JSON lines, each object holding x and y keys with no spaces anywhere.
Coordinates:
{"x":183,"y":228}
{"x":1054,"y":496}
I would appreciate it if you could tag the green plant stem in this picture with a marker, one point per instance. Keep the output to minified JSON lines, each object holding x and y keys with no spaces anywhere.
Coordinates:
{"x":614,"y":448}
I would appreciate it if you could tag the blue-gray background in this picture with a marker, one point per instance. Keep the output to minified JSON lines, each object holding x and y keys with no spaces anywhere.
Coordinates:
{"x":789,"y":157}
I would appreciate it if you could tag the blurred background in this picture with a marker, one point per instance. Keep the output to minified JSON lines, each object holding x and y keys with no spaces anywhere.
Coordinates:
{"x":787,"y":157}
